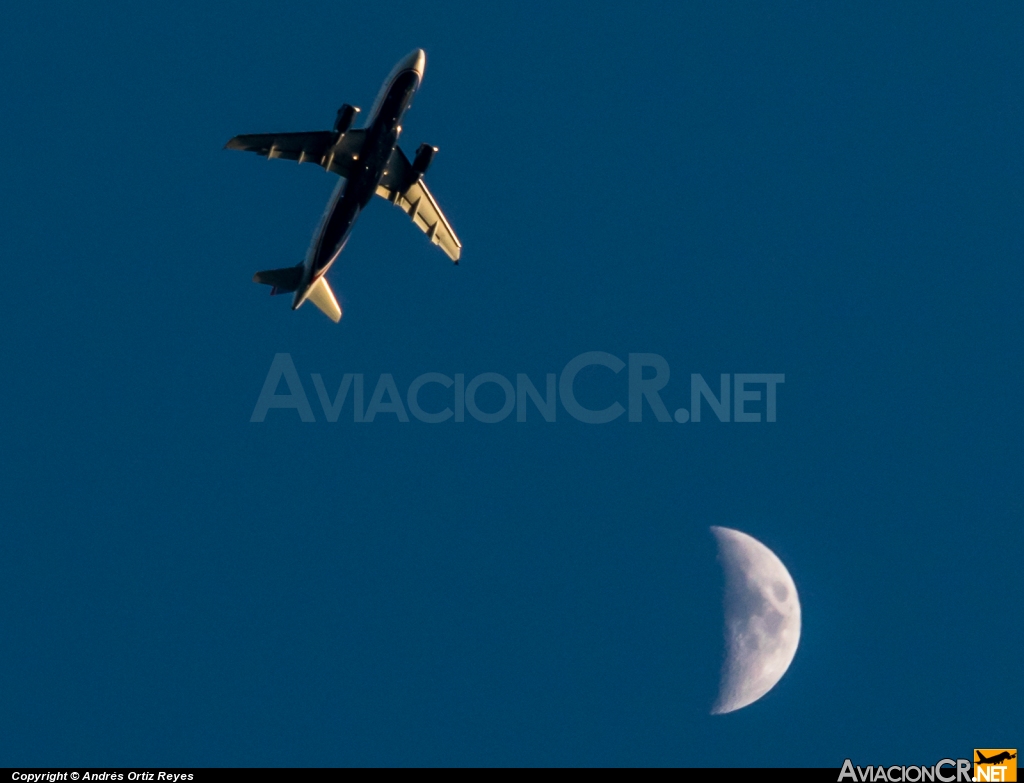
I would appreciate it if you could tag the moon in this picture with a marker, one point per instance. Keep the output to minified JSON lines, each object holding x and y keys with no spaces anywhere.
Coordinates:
{"x":762,"y":620}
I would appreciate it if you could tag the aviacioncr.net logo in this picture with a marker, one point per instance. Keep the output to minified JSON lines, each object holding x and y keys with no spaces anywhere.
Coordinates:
{"x":995,"y":764}
{"x":490,"y":397}
{"x":943,"y":771}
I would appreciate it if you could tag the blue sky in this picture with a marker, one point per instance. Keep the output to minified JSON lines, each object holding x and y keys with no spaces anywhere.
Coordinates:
{"x":833,"y":194}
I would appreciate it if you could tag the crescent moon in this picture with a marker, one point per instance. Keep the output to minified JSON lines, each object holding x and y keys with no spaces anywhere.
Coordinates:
{"x":762,"y":620}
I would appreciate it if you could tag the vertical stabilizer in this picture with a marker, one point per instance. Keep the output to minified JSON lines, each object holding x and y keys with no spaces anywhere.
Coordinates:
{"x":323,"y":297}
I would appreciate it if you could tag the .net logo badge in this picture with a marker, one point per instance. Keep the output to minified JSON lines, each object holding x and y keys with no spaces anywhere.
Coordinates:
{"x":995,"y":764}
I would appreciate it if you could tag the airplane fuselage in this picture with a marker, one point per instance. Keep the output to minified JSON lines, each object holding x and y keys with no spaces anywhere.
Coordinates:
{"x":353,"y":193}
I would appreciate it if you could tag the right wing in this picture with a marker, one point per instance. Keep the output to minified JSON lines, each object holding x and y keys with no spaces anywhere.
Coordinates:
{"x":310,"y":147}
{"x":416,"y":201}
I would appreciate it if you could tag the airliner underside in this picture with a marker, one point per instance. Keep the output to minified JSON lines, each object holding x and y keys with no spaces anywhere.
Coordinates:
{"x":370,"y":162}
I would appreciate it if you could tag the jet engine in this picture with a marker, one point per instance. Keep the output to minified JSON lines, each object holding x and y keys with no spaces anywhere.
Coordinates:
{"x":346,"y":116}
{"x":424,"y":156}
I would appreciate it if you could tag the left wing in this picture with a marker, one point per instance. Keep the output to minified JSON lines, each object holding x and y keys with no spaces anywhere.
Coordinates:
{"x":418,"y":203}
{"x":312,"y":146}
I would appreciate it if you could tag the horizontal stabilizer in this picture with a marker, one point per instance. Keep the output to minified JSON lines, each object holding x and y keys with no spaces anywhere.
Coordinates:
{"x":323,"y":297}
{"x":283,"y":281}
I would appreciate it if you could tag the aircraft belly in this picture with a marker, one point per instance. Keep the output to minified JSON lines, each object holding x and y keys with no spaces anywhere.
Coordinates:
{"x":336,"y":231}
{"x":350,"y":198}
{"x":356,"y":192}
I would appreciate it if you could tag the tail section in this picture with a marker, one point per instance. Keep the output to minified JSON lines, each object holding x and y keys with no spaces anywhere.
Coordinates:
{"x":287,"y":280}
{"x":282,"y":281}
{"x":323,"y":297}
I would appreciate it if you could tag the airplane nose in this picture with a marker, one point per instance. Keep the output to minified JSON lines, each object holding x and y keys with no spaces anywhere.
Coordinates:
{"x":417,"y":60}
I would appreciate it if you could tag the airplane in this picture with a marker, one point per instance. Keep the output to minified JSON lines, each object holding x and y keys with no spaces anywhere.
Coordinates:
{"x":996,"y":759}
{"x":369,"y":161}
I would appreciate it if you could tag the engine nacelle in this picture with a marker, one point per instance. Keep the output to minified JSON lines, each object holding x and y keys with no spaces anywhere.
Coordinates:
{"x":424,"y":157}
{"x":346,"y":116}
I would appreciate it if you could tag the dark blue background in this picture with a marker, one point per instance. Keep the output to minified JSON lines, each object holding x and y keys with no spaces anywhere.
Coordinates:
{"x":833,"y":194}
